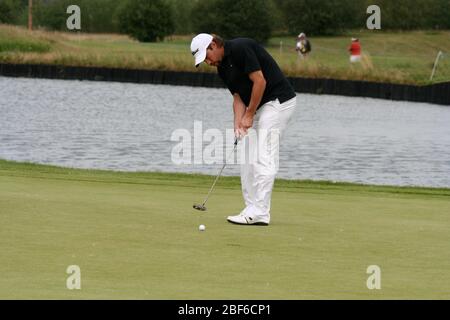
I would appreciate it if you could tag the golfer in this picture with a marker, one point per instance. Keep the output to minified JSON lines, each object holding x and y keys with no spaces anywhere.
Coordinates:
{"x":263,"y":104}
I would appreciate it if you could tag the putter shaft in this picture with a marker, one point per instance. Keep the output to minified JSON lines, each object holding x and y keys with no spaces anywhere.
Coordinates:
{"x":217,"y":178}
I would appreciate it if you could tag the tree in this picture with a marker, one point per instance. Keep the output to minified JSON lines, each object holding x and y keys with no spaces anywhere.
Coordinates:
{"x":439,"y":17}
{"x":182,"y":19}
{"x":234,"y":18}
{"x":402,"y":14}
{"x":96,"y":15}
{"x":414,"y":14}
{"x":147,"y":21}
{"x":322,"y":17}
{"x":50,"y":14}
{"x":10,"y":10}
{"x":204,"y":17}
{"x":5,"y":12}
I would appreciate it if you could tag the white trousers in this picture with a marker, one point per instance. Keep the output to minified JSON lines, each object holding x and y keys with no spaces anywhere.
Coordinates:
{"x":354,"y":59}
{"x":261,"y":149}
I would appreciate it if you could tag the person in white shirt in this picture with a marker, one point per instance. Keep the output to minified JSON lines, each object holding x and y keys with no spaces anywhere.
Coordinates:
{"x":303,"y":46}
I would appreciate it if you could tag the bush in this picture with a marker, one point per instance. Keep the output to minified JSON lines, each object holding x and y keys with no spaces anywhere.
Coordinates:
{"x":441,"y":14}
{"x":5,"y":12}
{"x":204,"y":16}
{"x":147,"y":21}
{"x":413,"y":14}
{"x":322,"y":17}
{"x":99,"y":16}
{"x":328,"y":17}
{"x":96,"y":15}
{"x":230,"y":19}
{"x":182,"y":19}
{"x":51,"y":14}
{"x":10,"y":10}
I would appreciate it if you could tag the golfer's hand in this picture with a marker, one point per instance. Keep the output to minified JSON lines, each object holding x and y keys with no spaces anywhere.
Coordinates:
{"x":246,"y":122}
{"x":239,"y":132}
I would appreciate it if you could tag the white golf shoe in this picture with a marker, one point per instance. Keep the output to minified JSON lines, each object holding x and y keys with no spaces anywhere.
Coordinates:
{"x":247,"y":219}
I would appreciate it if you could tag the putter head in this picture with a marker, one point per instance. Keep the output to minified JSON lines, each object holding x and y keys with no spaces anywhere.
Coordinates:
{"x":199,"y":207}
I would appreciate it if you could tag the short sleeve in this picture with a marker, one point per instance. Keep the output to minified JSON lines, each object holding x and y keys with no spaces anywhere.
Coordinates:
{"x":232,"y":91}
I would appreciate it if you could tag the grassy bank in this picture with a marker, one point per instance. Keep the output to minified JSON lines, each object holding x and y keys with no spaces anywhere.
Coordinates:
{"x":405,"y":57}
{"x":134,"y":235}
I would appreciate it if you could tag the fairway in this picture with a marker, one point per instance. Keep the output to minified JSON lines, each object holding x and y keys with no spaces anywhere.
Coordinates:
{"x":135,"y":236}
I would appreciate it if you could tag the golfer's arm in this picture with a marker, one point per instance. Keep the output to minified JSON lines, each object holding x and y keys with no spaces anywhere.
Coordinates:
{"x":259,"y":85}
{"x":239,"y":109}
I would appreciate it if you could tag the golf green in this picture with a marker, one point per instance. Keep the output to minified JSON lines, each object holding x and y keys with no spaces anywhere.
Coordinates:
{"x":135,"y":236}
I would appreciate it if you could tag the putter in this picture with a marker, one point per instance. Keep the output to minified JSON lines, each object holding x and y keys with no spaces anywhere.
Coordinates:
{"x":201,"y":207}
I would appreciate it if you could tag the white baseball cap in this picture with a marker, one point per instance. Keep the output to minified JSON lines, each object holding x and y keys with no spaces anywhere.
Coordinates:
{"x":199,"y":45}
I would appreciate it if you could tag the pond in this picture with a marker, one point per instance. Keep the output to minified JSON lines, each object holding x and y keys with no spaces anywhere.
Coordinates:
{"x":129,"y":127}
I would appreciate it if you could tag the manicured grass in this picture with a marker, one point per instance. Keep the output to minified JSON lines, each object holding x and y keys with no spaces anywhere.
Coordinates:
{"x":135,"y":235}
{"x":405,"y":57}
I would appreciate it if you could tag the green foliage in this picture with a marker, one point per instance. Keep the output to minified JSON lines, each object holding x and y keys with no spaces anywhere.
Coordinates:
{"x":147,"y":21}
{"x":181,"y":11}
{"x":328,"y":17}
{"x":204,"y":17}
{"x":22,"y":45}
{"x":234,"y":18}
{"x":96,"y":15}
{"x":277,"y":17}
{"x":5,"y":12}
{"x":321,"y":17}
{"x":50,"y":14}
{"x":414,"y":14}
{"x":10,"y":10}
{"x":252,"y":18}
{"x":401,"y":14}
{"x":99,"y":15}
{"x":441,"y":17}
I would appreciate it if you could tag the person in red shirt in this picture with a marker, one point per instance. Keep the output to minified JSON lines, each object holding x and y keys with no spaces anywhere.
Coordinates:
{"x":355,"y":51}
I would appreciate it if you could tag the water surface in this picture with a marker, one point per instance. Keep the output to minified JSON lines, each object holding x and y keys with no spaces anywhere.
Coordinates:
{"x":128,"y":127}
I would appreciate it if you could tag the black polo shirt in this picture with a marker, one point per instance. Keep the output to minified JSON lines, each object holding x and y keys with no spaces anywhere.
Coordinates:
{"x":244,"y":56}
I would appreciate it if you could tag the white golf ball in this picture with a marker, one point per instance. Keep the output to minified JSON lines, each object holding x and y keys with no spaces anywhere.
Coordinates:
{"x":201,"y":227}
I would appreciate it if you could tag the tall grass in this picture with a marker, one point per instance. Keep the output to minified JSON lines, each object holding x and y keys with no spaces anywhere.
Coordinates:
{"x":23,"y":46}
{"x":13,"y":39}
{"x":405,"y":57}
